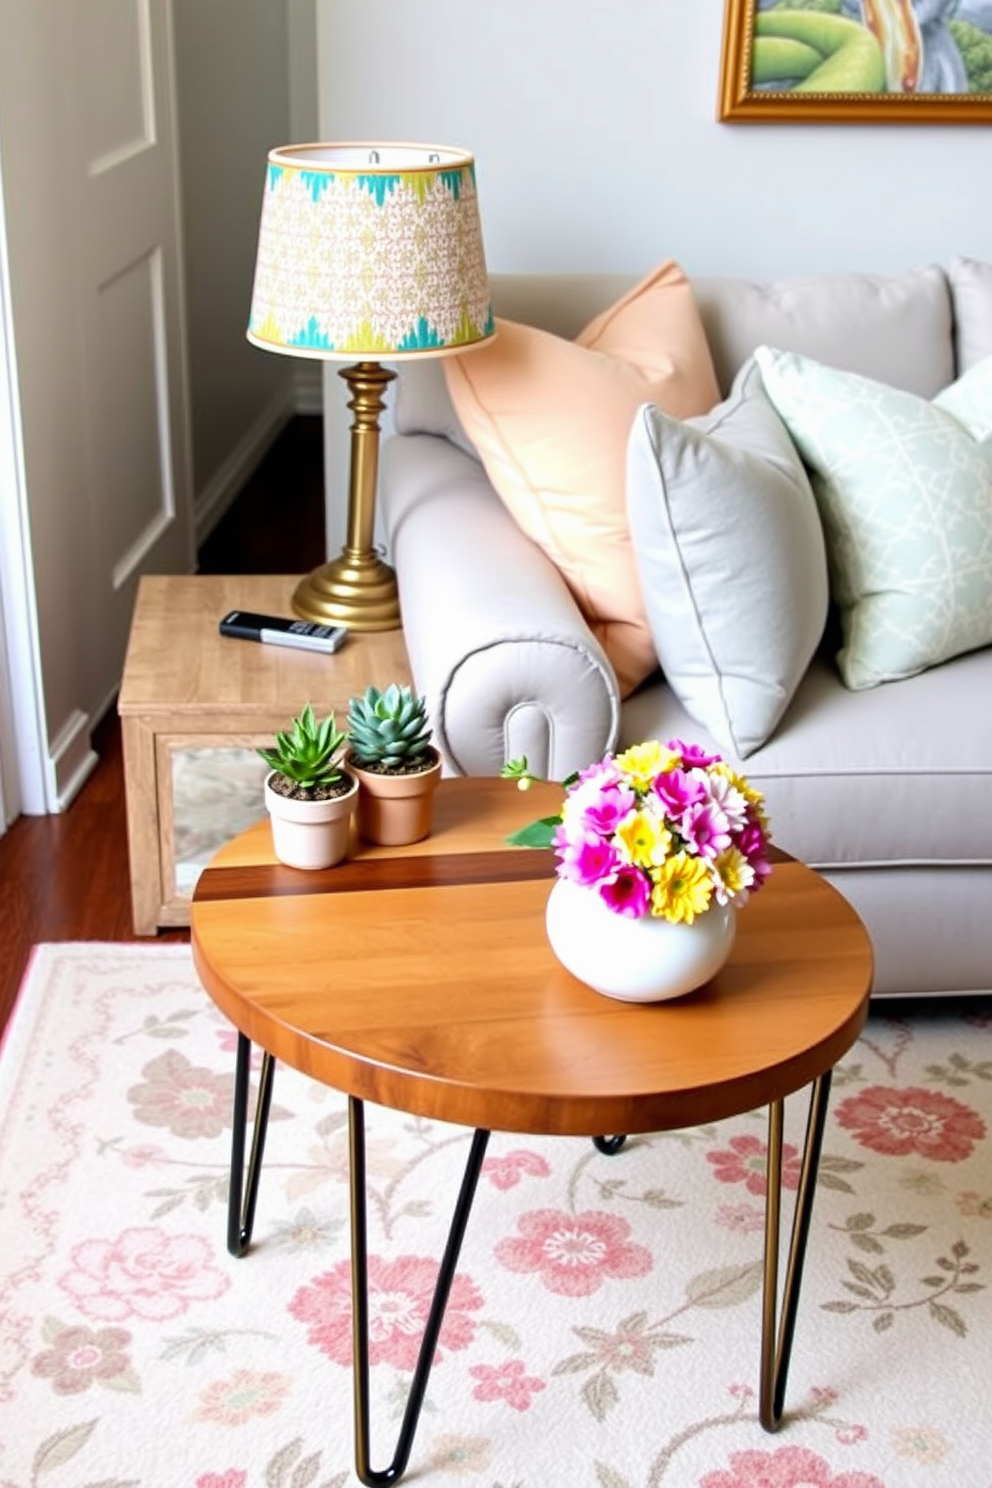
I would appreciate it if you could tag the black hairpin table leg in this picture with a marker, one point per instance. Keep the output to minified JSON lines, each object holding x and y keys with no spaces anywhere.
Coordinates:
{"x":243,"y":1191}
{"x":360,"y":1301}
{"x":608,"y":1145}
{"x":775,"y":1354}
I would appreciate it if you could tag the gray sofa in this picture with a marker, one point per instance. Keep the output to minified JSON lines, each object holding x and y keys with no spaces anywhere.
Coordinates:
{"x":887,"y":791}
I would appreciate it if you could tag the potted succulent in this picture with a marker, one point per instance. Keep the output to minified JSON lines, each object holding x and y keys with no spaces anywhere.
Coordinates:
{"x":397,"y":766}
{"x":309,"y":796}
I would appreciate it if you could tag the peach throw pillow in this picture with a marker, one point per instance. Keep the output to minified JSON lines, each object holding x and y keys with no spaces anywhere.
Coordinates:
{"x":550,"y":420}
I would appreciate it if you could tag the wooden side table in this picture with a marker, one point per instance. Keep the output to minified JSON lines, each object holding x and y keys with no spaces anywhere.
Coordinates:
{"x":421,"y":978}
{"x":187,"y":688}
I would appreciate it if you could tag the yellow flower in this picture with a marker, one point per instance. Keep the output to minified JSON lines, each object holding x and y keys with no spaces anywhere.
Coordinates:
{"x":644,"y":838}
{"x":734,"y":871}
{"x":682,"y":889}
{"x":642,"y":762}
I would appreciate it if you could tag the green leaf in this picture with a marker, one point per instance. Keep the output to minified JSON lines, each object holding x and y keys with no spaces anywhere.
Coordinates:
{"x":608,"y":1478}
{"x":600,"y":1395}
{"x":883,"y":1322}
{"x":948,"y":1318}
{"x":61,"y":1447}
{"x":867,"y":1243}
{"x":727,"y":1286}
{"x":535,"y":834}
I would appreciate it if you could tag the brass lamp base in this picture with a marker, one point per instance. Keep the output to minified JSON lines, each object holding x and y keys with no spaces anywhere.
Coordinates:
{"x":357,"y":590}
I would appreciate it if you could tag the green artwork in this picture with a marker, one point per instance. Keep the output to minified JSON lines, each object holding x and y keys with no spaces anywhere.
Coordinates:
{"x":904,"y":47}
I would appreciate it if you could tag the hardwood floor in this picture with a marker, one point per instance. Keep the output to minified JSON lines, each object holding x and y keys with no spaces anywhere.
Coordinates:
{"x":65,"y":877}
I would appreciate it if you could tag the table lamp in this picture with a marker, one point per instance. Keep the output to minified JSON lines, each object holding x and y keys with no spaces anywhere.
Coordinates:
{"x":367,"y":252}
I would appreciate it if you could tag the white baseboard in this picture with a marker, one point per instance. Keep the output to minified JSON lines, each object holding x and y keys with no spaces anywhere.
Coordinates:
{"x":71,"y":760}
{"x":303,"y":395}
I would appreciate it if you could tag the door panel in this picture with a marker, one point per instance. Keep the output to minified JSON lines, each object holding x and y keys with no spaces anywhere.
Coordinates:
{"x":129,"y":290}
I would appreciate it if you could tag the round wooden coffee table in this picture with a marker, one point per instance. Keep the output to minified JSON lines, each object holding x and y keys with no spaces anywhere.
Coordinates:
{"x":421,"y":978}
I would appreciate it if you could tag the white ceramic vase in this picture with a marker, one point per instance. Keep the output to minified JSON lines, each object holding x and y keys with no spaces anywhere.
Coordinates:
{"x":310,"y":834}
{"x":644,"y":960}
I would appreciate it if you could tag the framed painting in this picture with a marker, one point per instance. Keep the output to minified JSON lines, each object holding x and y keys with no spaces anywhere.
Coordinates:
{"x":857,"y":61}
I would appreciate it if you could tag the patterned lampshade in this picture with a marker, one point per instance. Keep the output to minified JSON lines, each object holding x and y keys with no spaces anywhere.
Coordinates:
{"x":370,"y":251}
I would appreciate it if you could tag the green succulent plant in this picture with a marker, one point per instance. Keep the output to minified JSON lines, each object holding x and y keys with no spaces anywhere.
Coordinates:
{"x":307,"y":752}
{"x":388,"y":728}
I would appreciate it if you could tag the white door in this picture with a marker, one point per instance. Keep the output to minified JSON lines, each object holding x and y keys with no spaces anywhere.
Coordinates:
{"x":120,"y":94}
{"x":92,"y":204}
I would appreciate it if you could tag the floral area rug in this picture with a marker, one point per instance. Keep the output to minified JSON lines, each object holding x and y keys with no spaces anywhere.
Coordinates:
{"x":603,"y":1328}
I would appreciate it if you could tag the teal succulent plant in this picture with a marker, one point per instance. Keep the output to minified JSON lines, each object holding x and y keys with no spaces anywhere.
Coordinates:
{"x":389,"y":730}
{"x":307,"y":754}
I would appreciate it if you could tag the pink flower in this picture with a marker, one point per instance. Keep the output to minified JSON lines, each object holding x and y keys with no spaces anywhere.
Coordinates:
{"x":745,"y":1219}
{"x":574,"y":1253}
{"x":628,"y":893}
{"x":505,"y":1172}
{"x":143,"y":1273}
{"x":677,"y":791}
{"x":400,"y":1293}
{"x":80,"y":1357}
{"x":246,"y":1394}
{"x":600,"y":806}
{"x":898,"y":1122}
{"x":786,"y":1467}
{"x":191,"y":1100}
{"x":587,"y":859}
{"x":505,"y":1382}
{"x":704,"y":828}
{"x":694,"y":756}
{"x":233,"y":1478}
{"x":747,"y":1162}
{"x":143,"y":1155}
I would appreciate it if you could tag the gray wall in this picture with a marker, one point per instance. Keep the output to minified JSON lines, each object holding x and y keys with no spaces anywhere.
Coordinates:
{"x":246,"y":82}
{"x":594,"y":128}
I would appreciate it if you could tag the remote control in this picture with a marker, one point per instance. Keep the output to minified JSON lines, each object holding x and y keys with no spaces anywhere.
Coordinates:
{"x":276,"y":630}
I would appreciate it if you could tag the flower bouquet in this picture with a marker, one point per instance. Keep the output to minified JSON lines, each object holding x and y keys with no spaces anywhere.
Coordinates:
{"x":663,"y":830}
{"x":657,"y":848}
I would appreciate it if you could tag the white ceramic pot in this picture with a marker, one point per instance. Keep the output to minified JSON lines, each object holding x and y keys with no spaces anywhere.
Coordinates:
{"x":310,"y":834}
{"x":645,"y":960}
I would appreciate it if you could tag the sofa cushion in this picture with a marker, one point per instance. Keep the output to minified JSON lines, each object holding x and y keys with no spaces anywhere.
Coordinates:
{"x":731,"y":557}
{"x":550,"y":418}
{"x":971,"y":293}
{"x":904,"y":488}
{"x":896,"y":328}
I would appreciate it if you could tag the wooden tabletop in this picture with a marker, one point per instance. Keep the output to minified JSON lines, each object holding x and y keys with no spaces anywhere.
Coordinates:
{"x":421,"y":978}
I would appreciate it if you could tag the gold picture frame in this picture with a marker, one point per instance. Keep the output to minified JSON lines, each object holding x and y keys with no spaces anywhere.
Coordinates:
{"x":876,"y":66}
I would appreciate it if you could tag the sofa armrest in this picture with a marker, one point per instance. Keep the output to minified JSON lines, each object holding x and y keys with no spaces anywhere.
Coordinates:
{"x":496,"y":643}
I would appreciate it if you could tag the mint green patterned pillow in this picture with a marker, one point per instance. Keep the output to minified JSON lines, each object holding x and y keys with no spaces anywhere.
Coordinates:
{"x":904,"y":489}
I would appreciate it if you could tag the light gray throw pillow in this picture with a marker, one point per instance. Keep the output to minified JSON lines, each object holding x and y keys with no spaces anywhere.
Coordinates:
{"x":731,"y":558}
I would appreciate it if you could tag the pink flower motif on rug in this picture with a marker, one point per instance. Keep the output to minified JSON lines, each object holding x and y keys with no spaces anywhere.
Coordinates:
{"x":506,"y":1382}
{"x":400,"y":1293}
{"x":81,"y":1357}
{"x":788,"y":1467}
{"x":506,"y":1172}
{"x":574,"y":1253}
{"x":233,"y":1478}
{"x":743,"y":1219}
{"x":144,"y":1273}
{"x":189,"y":1100}
{"x":914,"y":1120}
{"x":241,"y":1397}
{"x":746,"y":1161}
